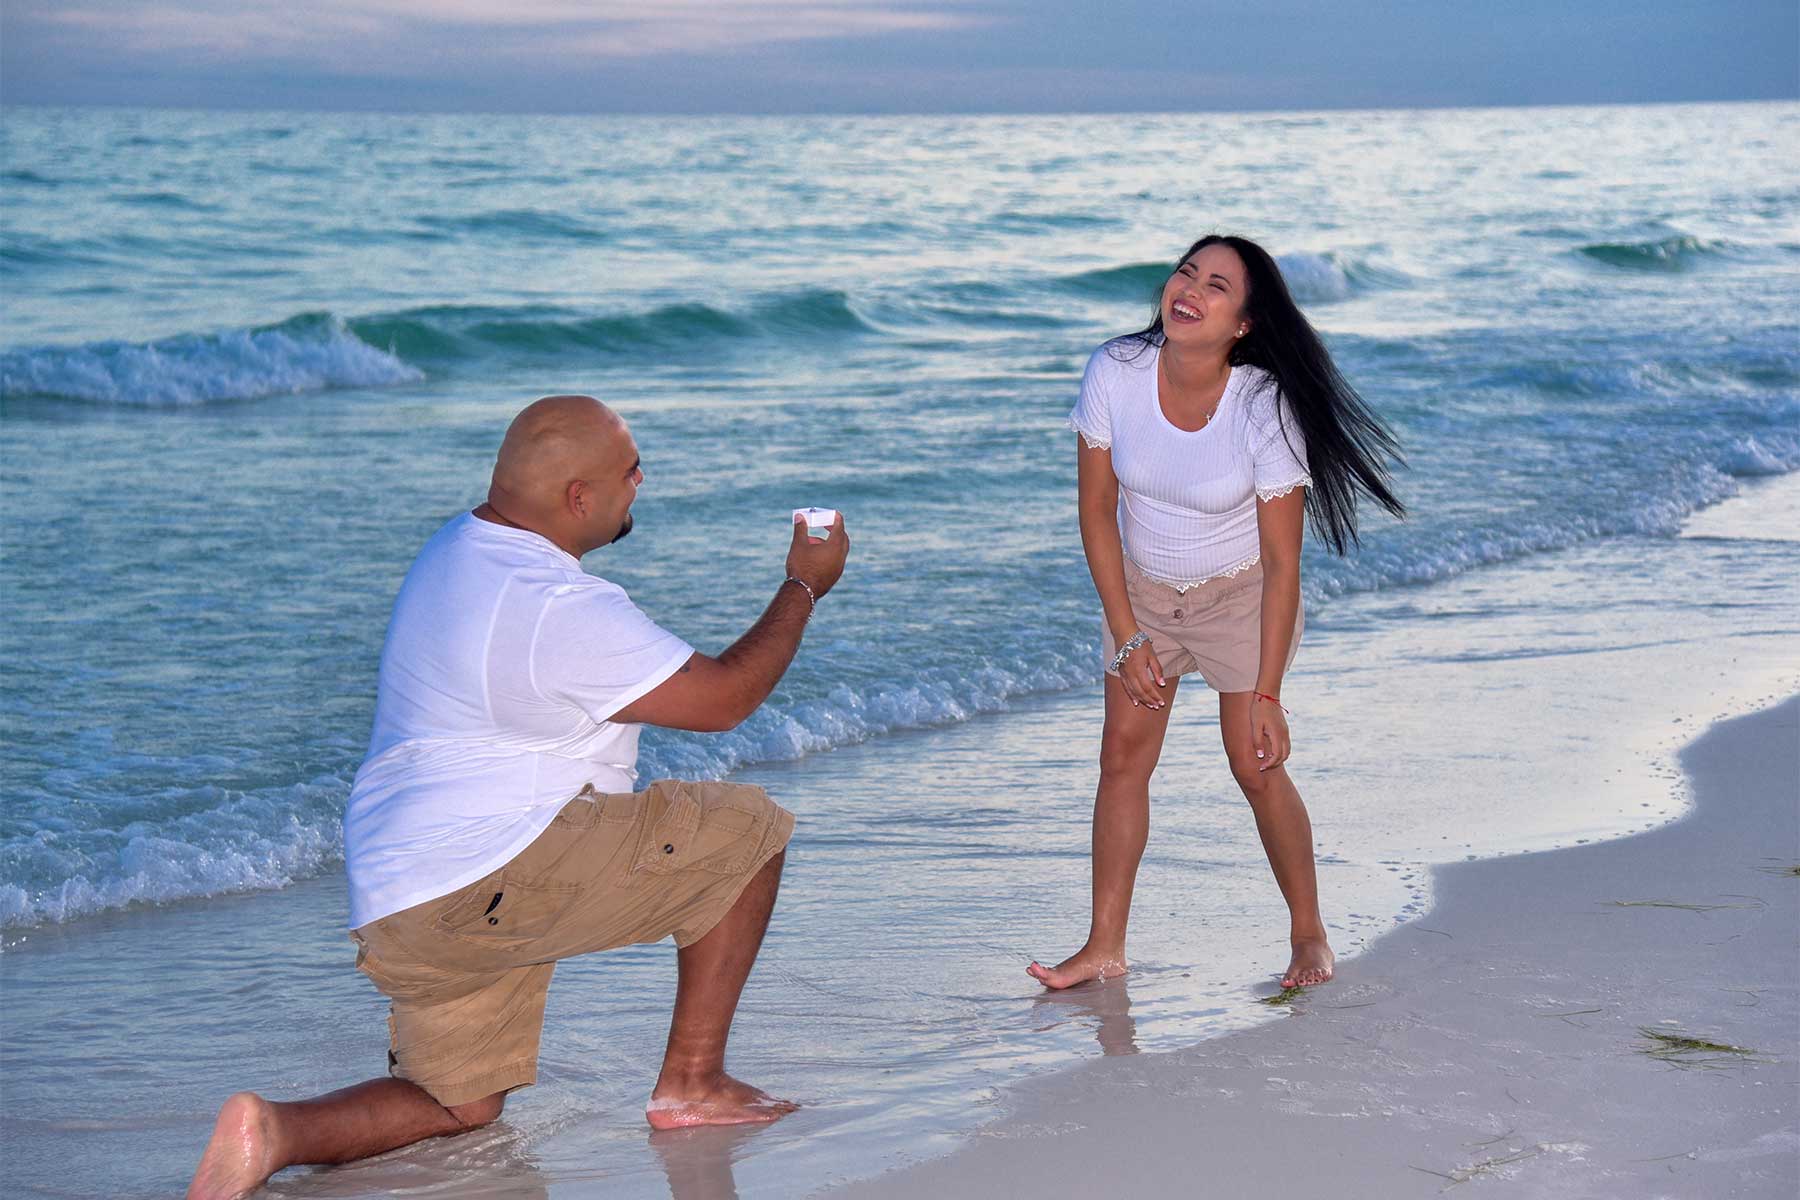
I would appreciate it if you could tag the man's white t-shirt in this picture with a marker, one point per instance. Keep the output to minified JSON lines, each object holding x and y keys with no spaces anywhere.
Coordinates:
{"x":503,"y":665}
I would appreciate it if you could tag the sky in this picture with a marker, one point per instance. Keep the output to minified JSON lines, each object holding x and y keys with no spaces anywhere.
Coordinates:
{"x":892,"y":56}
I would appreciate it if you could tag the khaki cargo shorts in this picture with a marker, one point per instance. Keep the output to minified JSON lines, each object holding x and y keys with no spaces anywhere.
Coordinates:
{"x":1214,"y":628}
{"x":466,"y":974}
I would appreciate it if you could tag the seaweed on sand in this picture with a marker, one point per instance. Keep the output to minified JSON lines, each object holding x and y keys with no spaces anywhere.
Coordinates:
{"x":1684,"y":1050}
{"x":1699,"y":908}
{"x":1486,"y":1166}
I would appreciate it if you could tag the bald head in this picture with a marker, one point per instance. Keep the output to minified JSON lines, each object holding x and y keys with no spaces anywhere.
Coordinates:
{"x":555,"y":440}
{"x":568,"y":469}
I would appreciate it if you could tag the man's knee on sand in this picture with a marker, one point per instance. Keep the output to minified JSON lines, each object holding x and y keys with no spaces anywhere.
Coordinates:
{"x":477,"y":1113}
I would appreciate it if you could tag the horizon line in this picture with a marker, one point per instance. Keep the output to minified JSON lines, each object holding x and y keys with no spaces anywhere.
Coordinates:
{"x":765,"y":114}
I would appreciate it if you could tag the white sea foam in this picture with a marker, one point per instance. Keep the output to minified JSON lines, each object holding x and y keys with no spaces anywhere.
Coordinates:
{"x":1748,"y":456}
{"x":845,"y":717}
{"x":1314,"y":277}
{"x":1389,"y":563}
{"x":1321,"y":278}
{"x":305,"y":354}
{"x":254,"y":843}
{"x":268,"y":841}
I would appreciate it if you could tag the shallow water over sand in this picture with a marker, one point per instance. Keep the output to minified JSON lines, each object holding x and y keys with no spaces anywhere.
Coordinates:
{"x":928,"y":868}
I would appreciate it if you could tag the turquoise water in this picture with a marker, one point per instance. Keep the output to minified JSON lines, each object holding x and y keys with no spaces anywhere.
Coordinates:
{"x":250,"y":361}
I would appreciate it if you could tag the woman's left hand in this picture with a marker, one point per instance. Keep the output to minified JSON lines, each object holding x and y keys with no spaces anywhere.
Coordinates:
{"x":1269,"y":733}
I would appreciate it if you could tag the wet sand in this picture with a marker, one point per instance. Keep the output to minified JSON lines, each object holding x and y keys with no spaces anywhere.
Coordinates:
{"x":1504,"y":1037}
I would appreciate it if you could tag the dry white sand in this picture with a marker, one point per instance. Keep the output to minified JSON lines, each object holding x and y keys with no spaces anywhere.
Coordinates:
{"x":1497,"y":1043}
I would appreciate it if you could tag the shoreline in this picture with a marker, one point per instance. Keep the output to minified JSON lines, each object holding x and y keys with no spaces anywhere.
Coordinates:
{"x":1505,"y":1034}
{"x":894,"y":1077}
{"x":1765,"y":511}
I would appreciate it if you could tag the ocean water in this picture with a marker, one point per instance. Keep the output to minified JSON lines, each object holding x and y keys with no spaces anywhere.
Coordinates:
{"x":248,"y":362}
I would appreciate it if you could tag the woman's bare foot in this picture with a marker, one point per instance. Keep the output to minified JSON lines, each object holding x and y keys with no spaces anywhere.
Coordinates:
{"x":1079,"y":967}
{"x":1313,"y":963}
{"x":241,"y":1154}
{"x":719,"y":1100}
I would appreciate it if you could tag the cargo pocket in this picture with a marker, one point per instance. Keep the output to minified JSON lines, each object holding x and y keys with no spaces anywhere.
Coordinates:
{"x":672,"y":836}
{"x":506,"y":912}
{"x":716,"y":835}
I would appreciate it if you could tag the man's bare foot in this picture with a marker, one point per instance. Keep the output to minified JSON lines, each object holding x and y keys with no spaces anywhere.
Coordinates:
{"x":241,"y":1154}
{"x":1313,"y":963}
{"x":721,"y":1100}
{"x":1079,"y":967}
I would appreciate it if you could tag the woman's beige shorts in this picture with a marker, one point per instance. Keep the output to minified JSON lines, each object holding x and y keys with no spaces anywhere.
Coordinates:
{"x":466,"y":974}
{"x":1215,"y":628}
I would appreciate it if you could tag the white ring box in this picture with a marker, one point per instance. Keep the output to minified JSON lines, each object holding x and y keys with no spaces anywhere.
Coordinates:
{"x":818,"y":521}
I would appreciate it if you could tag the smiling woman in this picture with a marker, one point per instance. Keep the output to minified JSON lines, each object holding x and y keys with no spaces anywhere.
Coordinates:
{"x":1203,"y":440}
{"x":1345,"y":444}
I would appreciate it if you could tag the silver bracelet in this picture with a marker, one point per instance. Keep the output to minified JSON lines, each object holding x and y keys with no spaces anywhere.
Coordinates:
{"x":811,"y":600}
{"x":1137,"y":639}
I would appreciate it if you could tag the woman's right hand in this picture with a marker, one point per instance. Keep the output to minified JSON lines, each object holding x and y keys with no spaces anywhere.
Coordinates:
{"x":1143,"y":678}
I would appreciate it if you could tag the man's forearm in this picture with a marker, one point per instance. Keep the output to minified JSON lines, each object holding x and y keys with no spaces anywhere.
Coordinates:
{"x":760,"y":658}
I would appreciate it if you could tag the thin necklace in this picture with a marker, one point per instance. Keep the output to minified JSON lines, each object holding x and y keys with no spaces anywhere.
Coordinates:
{"x":1162,"y":370}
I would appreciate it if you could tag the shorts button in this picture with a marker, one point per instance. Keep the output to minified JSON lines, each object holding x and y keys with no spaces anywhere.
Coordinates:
{"x":668,"y":849}
{"x":1178,"y":614}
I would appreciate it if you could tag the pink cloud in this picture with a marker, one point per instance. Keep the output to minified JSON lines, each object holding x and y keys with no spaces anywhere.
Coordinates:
{"x":341,"y":33}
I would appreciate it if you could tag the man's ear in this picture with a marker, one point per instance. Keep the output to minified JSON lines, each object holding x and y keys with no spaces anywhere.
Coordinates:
{"x":575,"y":498}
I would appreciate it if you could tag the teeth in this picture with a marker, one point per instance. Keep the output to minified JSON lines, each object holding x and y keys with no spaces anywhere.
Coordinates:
{"x":1185,"y":311}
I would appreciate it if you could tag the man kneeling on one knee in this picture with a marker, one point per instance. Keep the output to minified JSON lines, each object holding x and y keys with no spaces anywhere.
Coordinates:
{"x":493,"y":828}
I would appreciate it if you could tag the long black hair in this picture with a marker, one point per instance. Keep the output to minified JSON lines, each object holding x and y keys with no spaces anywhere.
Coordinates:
{"x":1347,"y":446}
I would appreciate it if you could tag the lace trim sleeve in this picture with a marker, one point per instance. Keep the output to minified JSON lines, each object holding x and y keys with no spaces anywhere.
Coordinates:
{"x":1276,"y":491}
{"x":1093,"y":443}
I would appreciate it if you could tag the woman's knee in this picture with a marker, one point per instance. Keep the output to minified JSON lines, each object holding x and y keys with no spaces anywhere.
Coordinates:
{"x":1255,"y":782}
{"x":1127,"y":758}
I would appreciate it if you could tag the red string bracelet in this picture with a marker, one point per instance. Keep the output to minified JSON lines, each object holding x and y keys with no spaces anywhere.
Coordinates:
{"x":1272,"y":700}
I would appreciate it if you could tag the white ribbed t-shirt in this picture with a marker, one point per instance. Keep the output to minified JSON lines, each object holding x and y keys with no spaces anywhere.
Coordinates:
{"x":1187,"y":500}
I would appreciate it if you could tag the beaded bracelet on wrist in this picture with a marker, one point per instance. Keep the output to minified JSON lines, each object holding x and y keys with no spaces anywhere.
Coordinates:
{"x":812,"y":600}
{"x":1137,"y":639}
